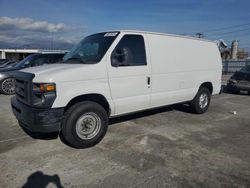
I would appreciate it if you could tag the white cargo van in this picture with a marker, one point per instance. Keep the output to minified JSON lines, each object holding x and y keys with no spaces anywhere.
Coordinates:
{"x":115,"y":73}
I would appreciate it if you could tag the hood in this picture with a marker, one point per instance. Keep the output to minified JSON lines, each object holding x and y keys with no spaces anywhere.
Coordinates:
{"x":65,"y":72}
{"x":8,"y":69}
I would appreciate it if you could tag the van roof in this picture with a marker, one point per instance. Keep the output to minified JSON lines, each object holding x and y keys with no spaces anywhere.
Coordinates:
{"x":166,"y":34}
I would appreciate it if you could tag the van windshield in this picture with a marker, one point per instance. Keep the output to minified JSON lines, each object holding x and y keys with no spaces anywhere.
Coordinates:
{"x":91,"y":49}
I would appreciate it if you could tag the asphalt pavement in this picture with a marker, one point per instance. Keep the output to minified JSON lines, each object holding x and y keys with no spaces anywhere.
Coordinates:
{"x":166,"y":147}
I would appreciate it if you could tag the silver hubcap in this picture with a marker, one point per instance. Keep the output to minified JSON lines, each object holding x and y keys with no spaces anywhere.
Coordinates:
{"x":8,"y":86}
{"x":203,"y":100}
{"x":88,"y":126}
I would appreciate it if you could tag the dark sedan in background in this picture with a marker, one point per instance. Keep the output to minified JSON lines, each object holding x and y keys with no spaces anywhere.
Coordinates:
{"x":7,"y":78}
{"x":240,"y":81}
{"x":6,"y":63}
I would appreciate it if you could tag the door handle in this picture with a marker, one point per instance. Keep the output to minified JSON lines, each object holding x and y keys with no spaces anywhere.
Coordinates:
{"x":148,"y":80}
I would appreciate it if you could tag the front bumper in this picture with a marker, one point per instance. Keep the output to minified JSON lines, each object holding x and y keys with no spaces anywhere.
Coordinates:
{"x":37,"y":120}
{"x":238,"y":87}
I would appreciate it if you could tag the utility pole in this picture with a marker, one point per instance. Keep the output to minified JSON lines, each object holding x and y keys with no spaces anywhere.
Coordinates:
{"x":52,"y":41}
{"x":200,"y":35}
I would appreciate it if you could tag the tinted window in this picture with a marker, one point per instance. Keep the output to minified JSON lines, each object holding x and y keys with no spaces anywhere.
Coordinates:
{"x":39,"y":61}
{"x":25,"y":62}
{"x":130,"y":51}
{"x":245,"y":69}
{"x":55,"y":58}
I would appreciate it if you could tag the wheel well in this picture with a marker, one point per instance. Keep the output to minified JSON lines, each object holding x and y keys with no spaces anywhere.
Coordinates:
{"x":98,"y":98}
{"x":208,"y":85}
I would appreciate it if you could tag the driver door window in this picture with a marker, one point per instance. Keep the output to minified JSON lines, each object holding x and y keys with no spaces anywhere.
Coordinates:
{"x":130,"y":51}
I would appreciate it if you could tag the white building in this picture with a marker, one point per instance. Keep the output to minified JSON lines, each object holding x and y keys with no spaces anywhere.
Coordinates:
{"x":19,"y":54}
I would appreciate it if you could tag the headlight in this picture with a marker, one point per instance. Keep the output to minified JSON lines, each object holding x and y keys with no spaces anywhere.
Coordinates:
{"x":43,"y":94}
{"x":44,"y":87}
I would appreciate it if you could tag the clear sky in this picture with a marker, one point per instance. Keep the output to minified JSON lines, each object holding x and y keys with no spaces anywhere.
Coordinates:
{"x":67,"y":21}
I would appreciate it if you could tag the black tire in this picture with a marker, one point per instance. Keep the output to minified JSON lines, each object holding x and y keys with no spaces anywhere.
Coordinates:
{"x":7,"y":88}
{"x":195,"y":103}
{"x":81,"y":111}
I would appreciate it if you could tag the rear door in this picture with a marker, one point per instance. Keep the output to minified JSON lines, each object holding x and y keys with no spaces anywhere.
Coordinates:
{"x":129,"y":74}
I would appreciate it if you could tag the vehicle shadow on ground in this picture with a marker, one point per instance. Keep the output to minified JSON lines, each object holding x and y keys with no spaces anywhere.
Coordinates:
{"x":41,"y":136}
{"x":40,"y":180}
{"x":51,"y":136}
{"x":179,"y":107}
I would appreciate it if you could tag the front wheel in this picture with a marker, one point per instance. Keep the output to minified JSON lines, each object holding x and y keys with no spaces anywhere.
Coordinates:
{"x":7,"y":86}
{"x":85,"y":124}
{"x":201,"y":101}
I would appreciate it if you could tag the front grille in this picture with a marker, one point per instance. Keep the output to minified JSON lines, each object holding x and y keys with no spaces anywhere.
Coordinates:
{"x":22,"y":90}
{"x":24,"y":87}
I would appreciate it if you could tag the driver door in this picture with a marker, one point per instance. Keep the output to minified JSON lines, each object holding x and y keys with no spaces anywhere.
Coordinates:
{"x":129,"y":75}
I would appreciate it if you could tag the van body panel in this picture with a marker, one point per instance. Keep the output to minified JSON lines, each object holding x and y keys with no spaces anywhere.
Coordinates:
{"x":180,"y":66}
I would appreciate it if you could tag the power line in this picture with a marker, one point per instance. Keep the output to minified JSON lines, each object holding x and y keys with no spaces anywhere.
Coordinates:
{"x":228,"y":38}
{"x":230,"y":32}
{"x":244,"y":45}
{"x":228,"y":27}
{"x":245,"y":42}
{"x":213,"y":31}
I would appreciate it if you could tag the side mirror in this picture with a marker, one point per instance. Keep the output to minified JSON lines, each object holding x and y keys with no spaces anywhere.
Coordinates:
{"x":121,"y":57}
{"x":117,"y":57}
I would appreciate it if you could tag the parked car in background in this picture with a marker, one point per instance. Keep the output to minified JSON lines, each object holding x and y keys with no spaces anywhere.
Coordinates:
{"x":2,"y":61}
{"x":7,"y":74}
{"x":114,"y":73}
{"x":240,"y":81}
{"x":7,"y":63}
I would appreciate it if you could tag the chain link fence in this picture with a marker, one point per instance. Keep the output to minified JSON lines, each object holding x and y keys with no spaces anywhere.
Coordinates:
{"x":231,"y":66}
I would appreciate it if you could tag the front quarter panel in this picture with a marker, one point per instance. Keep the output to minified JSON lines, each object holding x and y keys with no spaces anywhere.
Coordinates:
{"x":3,"y":76}
{"x":66,"y":91}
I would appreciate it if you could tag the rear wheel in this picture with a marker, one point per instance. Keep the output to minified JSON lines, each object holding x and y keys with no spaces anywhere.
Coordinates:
{"x":85,"y":124}
{"x":7,"y":86}
{"x":201,"y":101}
